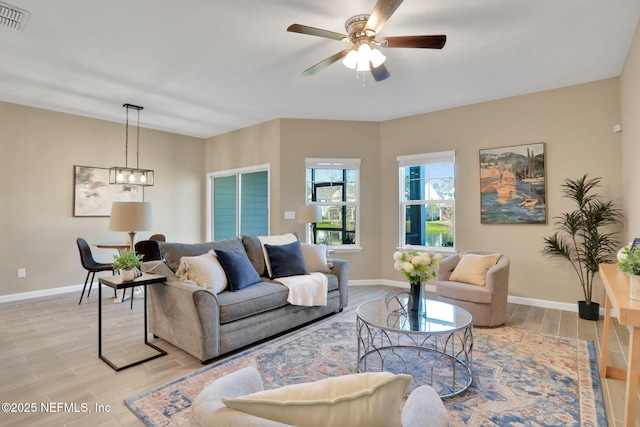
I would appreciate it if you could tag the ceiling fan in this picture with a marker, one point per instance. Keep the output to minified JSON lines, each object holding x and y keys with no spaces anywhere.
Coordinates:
{"x":362,"y":31}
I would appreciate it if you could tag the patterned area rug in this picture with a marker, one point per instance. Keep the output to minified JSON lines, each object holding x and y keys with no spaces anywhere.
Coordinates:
{"x":520,"y":377}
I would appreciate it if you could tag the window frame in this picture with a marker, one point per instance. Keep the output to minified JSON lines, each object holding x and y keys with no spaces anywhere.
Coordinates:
{"x":338,"y":164}
{"x":211,"y":176}
{"x":424,"y":159}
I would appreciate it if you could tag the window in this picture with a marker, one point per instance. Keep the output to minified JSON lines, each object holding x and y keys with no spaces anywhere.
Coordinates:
{"x":333,"y":184}
{"x":427,"y":199}
{"x":239,"y":203}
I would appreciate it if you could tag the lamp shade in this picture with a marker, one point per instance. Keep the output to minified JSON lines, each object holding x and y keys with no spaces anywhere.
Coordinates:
{"x":310,"y":214}
{"x":131,"y":216}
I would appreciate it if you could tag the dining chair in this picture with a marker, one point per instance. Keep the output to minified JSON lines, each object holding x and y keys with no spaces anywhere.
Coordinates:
{"x":89,"y":264}
{"x":158,"y":238}
{"x":149,"y":249}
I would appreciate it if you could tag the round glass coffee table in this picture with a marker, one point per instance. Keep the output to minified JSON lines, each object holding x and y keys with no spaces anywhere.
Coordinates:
{"x":435,"y":348}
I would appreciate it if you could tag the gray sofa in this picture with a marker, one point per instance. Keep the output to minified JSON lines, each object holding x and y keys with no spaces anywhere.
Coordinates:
{"x":207,"y":325}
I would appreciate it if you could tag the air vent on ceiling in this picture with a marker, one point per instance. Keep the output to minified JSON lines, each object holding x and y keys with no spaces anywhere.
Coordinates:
{"x":12,"y":17}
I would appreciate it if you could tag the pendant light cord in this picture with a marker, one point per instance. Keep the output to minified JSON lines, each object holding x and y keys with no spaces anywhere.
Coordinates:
{"x":126,"y":140}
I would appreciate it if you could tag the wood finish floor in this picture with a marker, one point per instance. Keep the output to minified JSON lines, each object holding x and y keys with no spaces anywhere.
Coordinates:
{"x":49,"y":357}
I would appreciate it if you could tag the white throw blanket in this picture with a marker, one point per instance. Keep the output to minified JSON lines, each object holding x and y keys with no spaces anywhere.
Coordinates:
{"x":307,"y":290}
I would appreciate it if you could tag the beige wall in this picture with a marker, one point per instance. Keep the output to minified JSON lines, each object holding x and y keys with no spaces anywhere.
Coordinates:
{"x":630,"y":108}
{"x":284,"y":144}
{"x":336,"y":139}
{"x":41,"y":147}
{"x":38,"y":229}
{"x":576,"y":124}
{"x":251,"y":146}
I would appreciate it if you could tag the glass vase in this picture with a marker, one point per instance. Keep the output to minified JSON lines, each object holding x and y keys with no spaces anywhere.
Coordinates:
{"x":417,"y":304}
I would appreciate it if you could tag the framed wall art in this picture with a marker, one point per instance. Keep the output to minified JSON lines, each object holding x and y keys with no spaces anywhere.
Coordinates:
{"x":93,"y":194}
{"x":512,"y":185}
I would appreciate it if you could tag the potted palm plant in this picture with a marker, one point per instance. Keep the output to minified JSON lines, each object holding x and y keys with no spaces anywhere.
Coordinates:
{"x":630,"y":263}
{"x":580,"y":237}
{"x":127,"y":263}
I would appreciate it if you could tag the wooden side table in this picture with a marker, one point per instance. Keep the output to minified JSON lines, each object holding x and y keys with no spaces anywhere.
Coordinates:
{"x":116,"y":283}
{"x":616,"y":283}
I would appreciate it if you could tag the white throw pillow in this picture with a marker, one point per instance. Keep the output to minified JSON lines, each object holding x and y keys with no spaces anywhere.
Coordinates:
{"x":275,"y":241}
{"x":203,"y":270}
{"x":357,"y":400}
{"x":315,"y":256}
{"x":473,"y":268}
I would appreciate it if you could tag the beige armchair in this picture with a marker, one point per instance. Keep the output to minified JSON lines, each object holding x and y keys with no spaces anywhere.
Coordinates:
{"x":488,"y":303}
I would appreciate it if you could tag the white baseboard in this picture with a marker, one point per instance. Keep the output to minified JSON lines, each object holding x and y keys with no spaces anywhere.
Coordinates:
{"x":43,"y":293}
{"x":566,"y":306}
{"x":368,"y":282}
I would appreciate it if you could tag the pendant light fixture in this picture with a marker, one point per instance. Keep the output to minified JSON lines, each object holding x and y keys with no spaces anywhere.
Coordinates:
{"x":127,"y":175}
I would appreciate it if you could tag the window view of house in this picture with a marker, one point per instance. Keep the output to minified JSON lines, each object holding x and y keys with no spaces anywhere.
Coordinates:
{"x":427,"y":200}
{"x":333,"y":184}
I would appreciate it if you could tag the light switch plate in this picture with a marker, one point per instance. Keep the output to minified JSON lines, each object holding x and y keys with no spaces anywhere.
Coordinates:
{"x":289,"y":215}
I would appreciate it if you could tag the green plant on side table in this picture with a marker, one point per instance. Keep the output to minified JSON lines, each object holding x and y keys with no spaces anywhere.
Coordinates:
{"x":630,"y":263}
{"x":127,"y":263}
{"x":581,"y":240}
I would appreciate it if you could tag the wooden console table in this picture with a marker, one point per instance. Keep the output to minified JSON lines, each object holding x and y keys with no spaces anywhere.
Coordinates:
{"x":616,"y":283}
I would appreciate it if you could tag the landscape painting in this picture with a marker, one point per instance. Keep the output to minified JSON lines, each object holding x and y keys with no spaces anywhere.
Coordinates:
{"x":512,"y":185}
{"x":93,"y":195}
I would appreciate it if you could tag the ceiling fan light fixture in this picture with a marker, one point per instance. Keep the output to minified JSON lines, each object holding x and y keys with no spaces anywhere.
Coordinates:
{"x":351,"y":59}
{"x":364,"y":57}
{"x":377,"y":58}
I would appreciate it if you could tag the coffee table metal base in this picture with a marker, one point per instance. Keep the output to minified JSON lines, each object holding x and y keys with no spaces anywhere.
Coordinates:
{"x":441,"y":360}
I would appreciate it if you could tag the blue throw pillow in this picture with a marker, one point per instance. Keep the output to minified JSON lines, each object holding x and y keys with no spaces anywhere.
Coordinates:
{"x":286,"y":260}
{"x":240,"y":273}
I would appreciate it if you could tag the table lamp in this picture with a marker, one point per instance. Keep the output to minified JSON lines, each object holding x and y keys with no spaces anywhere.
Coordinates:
{"x":310,"y":214}
{"x":131,"y":217}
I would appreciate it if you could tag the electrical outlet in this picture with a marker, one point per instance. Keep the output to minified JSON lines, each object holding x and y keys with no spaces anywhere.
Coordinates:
{"x":22,"y":272}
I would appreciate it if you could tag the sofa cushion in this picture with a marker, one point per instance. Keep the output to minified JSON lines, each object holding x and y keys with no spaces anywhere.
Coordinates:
{"x":332,"y":284}
{"x":254,"y":250}
{"x":240,"y":273}
{"x":203,"y":270}
{"x":464,"y":292}
{"x":315,"y":257}
{"x":357,"y":400}
{"x":473,"y":268}
{"x":172,"y":252}
{"x":286,"y":260}
{"x":256,"y":299}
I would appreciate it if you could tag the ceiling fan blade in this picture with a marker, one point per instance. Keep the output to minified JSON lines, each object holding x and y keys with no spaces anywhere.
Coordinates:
{"x":381,"y":13}
{"x":324,"y":64}
{"x":427,"y":42}
{"x":304,"y":29}
{"x":380,"y":73}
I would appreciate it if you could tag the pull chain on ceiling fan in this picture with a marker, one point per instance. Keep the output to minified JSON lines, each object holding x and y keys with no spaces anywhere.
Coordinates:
{"x":362,"y":30}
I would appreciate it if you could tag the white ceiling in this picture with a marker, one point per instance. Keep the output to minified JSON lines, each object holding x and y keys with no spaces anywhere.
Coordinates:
{"x":203,"y":68}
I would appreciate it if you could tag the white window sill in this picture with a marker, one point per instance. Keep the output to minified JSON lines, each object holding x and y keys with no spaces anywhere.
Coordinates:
{"x":445,"y":251}
{"x":344,"y":249}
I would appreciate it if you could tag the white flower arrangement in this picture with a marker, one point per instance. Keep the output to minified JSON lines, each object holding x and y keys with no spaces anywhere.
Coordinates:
{"x":417,"y":266}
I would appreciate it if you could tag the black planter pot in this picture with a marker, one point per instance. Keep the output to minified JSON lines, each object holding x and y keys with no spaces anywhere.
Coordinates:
{"x":588,"y":311}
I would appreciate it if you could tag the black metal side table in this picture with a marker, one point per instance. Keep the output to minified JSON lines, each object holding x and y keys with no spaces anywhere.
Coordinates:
{"x":116,"y":283}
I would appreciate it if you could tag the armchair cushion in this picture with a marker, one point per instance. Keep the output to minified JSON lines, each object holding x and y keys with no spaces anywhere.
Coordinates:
{"x":351,"y":400}
{"x":473,"y":268}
